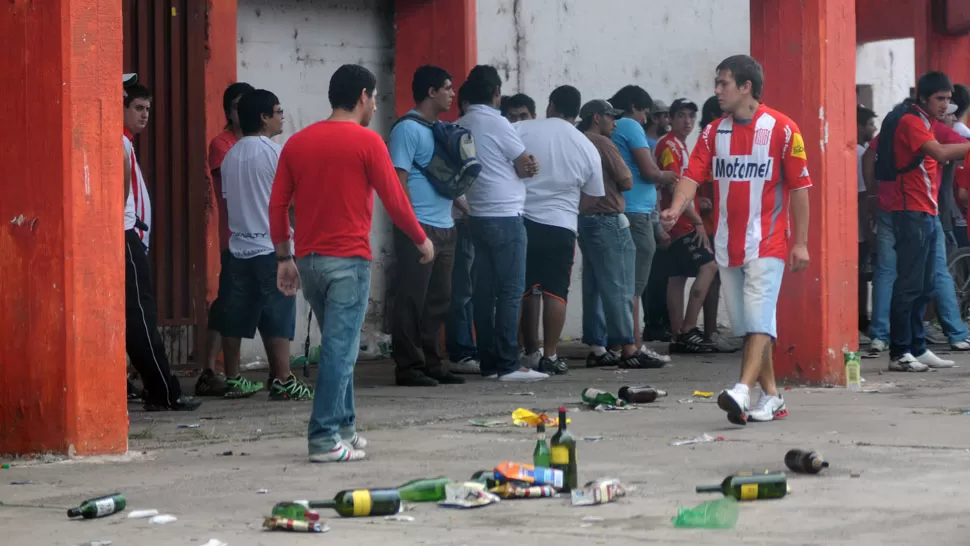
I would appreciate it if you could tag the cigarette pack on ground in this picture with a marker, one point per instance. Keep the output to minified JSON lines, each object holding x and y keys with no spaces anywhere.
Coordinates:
{"x":600,"y":491}
{"x":467,"y":495}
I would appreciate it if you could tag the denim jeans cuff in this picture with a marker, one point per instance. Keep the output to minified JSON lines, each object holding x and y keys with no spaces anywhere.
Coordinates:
{"x":621,"y":341}
{"x":595,"y":342}
{"x":323,"y":443}
{"x":347,"y":433}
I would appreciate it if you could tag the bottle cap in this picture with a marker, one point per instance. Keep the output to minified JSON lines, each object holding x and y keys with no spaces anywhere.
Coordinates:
{"x":562,"y":410}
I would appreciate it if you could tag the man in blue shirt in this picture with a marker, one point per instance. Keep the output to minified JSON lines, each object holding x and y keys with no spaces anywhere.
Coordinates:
{"x":641,"y":200}
{"x":422,"y":290}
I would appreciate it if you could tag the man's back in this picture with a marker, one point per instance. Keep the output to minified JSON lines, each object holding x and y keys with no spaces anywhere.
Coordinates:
{"x":498,"y":192}
{"x":247,"y":182}
{"x":568,"y":163}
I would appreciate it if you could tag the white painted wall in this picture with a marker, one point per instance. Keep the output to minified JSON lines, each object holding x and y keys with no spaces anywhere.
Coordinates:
{"x":669,"y":49}
{"x":890,"y":68}
{"x":292,"y":48}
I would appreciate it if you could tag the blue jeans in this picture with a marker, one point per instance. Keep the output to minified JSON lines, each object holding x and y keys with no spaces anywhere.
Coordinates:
{"x":916,"y":234}
{"x":459,"y":334}
{"x":499,"y":271}
{"x":609,"y":277}
{"x":884,"y":275}
{"x":337,"y":290}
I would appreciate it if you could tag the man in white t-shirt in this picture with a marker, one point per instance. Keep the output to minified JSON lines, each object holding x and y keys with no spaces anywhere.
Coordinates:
{"x":495,"y":202}
{"x":253,"y":300}
{"x":571,"y":165}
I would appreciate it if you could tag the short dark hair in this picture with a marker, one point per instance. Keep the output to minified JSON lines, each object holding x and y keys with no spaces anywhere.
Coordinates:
{"x":428,"y":77}
{"x":863,"y":115}
{"x":932,"y":83}
{"x":252,"y":107}
{"x":520,"y":100}
{"x":483,"y":81}
{"x":234,"y":90}
{"x":710,"y":111}
{"x":631,"y":96}
{"x":462,"y":97}
{"x":136,"y":91}
{"x":566,"y":99}
{"x":961,"y":97}
{"x":744,"y":69}
{"x":346,"y":85}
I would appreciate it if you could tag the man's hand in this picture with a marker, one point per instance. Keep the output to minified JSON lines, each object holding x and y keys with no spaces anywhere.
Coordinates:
{"x":701,"y":236}
{"x":668,"y":217}
{"x":287,"y":278}
{"x":532,"y":165}
{"x":799,"y":258}
{"x":427,"y":251}
{"x":669,"y":177}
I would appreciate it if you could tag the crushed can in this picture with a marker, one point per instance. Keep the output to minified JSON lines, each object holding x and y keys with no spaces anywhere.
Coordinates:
{"x":599,"y":491}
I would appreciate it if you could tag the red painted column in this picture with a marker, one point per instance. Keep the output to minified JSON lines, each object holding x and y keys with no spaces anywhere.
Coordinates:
{"x":62,"y":275}
{"x":938,"y":50}
{"x":808,"y":52}
{"x":439,"y":32}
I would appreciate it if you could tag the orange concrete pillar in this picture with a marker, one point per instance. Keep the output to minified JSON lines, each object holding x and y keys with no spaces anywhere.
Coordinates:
{"x":440,"y":32}
{"x":62,"y":275}
{"x":936,"y":49}
{"x":808,"y":52}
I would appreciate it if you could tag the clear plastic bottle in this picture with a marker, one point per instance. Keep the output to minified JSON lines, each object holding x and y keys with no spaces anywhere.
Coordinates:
{"x":853,"y":372}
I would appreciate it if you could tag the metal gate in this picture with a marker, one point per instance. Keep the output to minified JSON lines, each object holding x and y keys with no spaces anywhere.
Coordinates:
{"x":165,"y":45}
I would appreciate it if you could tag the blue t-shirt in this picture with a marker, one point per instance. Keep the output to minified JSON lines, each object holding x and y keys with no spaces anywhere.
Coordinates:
{"x":628,"y":136}
{"x":413,"y":143}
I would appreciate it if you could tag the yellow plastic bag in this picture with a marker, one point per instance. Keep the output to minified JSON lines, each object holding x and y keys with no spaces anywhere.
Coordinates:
{"x":525,"y":418}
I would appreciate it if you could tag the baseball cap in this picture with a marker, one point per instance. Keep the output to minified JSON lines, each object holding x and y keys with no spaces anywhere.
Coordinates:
{"x":129,"y":78}
{"x":683,"y":104}
{"x":952,"y":108}
{"x":599,"y":106}
{"x":659,"y":107}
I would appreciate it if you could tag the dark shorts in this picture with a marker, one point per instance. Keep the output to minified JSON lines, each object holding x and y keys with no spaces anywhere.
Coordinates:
{"x":254,"y":303}
{"x":686,"y":256}
{"x":548,"y":259}
{"x":217,"y":309}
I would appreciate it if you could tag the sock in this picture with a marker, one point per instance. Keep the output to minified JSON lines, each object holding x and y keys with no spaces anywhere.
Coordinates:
{"x":599,"y":350}
{"x":552,"y":357}
{"x":741,"y":388}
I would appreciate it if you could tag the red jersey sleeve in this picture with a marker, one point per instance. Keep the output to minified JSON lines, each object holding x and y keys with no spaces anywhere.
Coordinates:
{"x":669,"y":159}
{"x":794,"y":161}
{"x":280,"y":199}
{"x":699,"y":165}
{"x":218,"y":149}
{"x":384,"y":179}
{"x":913,"y":134}
{"x":945,"y":135}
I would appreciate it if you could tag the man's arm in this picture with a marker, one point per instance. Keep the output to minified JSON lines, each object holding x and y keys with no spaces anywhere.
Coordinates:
{"x":649,"y":169}
{"x":526,"y":165}
{"x":381,"y":174}
{"x":280,"y":199}
{"x":799,"y":212}
{"x":402,"y":175}
{"x":684,"y":193}
{"x":944,"y":153}
{"x":462,"y":204}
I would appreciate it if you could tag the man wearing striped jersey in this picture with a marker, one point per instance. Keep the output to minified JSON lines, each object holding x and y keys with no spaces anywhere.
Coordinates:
{"x":755,"y":156}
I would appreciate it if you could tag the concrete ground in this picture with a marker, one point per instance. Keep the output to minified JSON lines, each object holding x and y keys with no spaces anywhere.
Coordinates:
{"x":899,"y":470}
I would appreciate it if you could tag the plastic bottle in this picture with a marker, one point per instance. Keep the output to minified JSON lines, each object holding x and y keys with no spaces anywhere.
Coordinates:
{"x":805,"y":462}
{"x":540,"y":456}
{"x":99,"y":507}
{"x":719,"y":514}
{"x":424,"y":490}
{"x":853,"y":377}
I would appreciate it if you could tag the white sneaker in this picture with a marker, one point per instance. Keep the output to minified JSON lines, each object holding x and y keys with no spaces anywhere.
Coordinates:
{"x":493,"y":376}
{"x":524,"y":376}
{"x":907,"y":363}
{"x":961,"y":345}
{"x":530,"y":361}
{"x":654,"y":354}
{"x":878,"y":346}
{"x":341,"y":453}
{"x":735,"y":404}
{"x":768,"y":409}
{"x":467,"y":365}
{"x":934,"y":361}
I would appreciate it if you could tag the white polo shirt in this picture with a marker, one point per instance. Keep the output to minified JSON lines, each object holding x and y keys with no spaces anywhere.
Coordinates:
{"x":568,"y":164}
{"x":247,"y":172}
{"x":498,"y":191}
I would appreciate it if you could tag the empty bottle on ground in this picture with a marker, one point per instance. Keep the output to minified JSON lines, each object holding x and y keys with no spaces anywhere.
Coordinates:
{"x":805,"y":462}
{"x":424,"y":490}
{"x":540,"y":456}
{"x":99,"y":507}
{"x":362,"y":503}
{"x":750,"y":486}
{"x":596,"y":397}
{"x":562,"y":454}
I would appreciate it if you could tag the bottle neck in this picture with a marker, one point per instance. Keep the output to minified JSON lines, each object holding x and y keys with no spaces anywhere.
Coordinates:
{"x":73,"y":513}
{"x":708,"y":489}
{"x":541,"y":436}
{"x":562,"y":420}
{"x":326,"y":503}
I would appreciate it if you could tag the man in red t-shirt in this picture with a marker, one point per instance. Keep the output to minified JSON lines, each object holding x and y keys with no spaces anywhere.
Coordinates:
{"x":914,"y":208}
{"x":210,"y":383}
{"x":690,"y":248}
{"x":756,"y":158}
{"x":329,"y":172}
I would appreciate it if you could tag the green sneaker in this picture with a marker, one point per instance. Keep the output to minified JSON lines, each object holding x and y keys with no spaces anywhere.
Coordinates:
{"x":240,"y":387}
{"x":292,"y":389}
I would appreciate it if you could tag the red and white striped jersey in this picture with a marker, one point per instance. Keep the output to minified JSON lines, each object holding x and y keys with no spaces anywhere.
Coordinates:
{"x":754,"y":166}
{"x":139,"y":192}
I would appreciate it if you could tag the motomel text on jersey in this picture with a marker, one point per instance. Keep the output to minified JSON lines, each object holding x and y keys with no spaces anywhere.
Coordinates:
{"x":742,"y":167}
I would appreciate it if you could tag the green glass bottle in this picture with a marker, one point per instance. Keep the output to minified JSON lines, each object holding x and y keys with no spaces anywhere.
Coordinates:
{"x":363,"y":502}
{"x":488,"y":478}
{"x":99,"y":507}
{"x":540,"y":456}
{"x":424,"y":490}
{"x":562,"y":454}
{"x":595,"y":397}
{"x":750,"y":486}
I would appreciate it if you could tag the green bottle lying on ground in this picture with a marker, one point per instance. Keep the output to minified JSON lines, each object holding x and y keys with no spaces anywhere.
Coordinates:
{"x":99,"y":507}
{"x":362,"y":503}
{"x":750,"y":486}
{"x":424,"y":490}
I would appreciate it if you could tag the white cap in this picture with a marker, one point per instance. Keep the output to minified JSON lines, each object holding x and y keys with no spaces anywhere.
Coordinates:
{"x":952,"y":108}
{"x":129,"y":78}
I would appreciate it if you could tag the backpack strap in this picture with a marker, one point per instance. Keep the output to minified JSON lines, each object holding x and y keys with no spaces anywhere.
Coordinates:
{"x":411,"y":116}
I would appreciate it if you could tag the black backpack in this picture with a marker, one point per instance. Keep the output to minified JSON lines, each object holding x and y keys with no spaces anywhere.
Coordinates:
{"x":886,"y":169}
